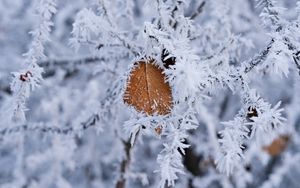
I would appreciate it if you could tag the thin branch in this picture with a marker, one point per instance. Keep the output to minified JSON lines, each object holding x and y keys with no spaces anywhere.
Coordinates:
{"x":4,"y":88}
{"x":134,"y":50}
{"x":124,"y":164}
{"x":67,"y":62}
{"x":225,"y":46}
{"x":295,"y":52}
{"x":70,"y":65}
{"x":90,"y":122}
{"x":259,"y":58}
{"x":276,"y":21}
{"x":199,"y":10}
{"x":121,"y":183}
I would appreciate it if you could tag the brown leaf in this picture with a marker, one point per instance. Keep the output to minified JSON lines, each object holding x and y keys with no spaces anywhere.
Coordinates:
{"x":277,"y":146}
{"x":158,"y":129}
{"x":146,"y":89}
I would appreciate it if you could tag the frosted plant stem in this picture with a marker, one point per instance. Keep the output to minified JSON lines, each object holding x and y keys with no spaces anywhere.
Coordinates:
{"x":28,"y":78}
{"x":124,"y":166}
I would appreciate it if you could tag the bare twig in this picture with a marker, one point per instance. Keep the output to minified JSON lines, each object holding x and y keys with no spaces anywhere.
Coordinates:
{"x":259,"y":58}
{"x":67,"y":63}
{"x":63,"y":63}
{"x":4,"y":87}
{"x":90,"y":122}
{"x":121,"y":182}
{"x":198,"y":10}
{"x":295,"y":52}
{"x":124,"y":165}
{"x":133,"y":49}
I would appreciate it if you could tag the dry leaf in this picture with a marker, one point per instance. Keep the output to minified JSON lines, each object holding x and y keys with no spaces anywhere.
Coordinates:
{"x":277,"y":146}
{"x":147,"y":91}
{"x":158,"y":129}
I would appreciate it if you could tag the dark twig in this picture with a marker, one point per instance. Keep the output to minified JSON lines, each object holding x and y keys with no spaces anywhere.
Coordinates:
{"x":135,"y":50}
{"x":295,"y":52}
{"x":70,"y":66}
{"x":259,"y":58}
{"x":296,"y":58}
{"x":121,"y":182}
{"x":198,"y":10}
{"x":90,"y":122}
{"x":124,"y":165}
{"x":4,"y":87}
{"x":64,"y":63}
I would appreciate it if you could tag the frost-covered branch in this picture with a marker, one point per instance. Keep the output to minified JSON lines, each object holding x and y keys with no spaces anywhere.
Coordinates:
{"x":198,"y":10}
{"x":257,"y":120}
{"x":282,"y":31}
{"x":31,"y":76}
{"x":125,"y":163}
{"x":259,"y":58}
{"x":170,"y":158}
{"x":88,"y":25}
{"x":65,"y":63}
{"x":91,"y":121}
{"x":50,"y":129}
{"x":69,"y":64}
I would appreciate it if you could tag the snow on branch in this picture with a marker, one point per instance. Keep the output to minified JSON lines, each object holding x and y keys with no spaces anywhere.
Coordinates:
{"x":284,"y":35}
{"x":184,"y":76}
{"x":69,"y":65}
{"x":170,"y":158}
{"x":271,"y":13}
{"x":30,"y":77}
{"x":99,"y":30}
{"x":51,"y":129}
{"x":94,"y":120}
{"x":232,"y":145}
{"x":256,"y":120}
{"x":259,"y":58}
